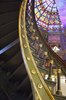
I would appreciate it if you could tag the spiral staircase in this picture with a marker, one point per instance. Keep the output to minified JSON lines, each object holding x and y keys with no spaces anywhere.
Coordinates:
{"x":14,"y":82}
{"x":23,"y":78}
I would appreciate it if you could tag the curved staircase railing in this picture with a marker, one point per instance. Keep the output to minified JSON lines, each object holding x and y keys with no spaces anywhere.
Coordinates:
{"x":40,"y":89}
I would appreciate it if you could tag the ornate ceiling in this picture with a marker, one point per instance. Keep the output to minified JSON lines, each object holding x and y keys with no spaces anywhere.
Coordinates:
{"x":47,"y":16}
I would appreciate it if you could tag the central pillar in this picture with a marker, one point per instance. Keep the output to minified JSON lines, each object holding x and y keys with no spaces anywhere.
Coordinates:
{"x":50,"y":71}
{"x":58,"y":83}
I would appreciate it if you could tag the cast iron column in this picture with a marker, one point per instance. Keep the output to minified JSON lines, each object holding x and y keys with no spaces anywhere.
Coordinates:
{"x":58,"y":83}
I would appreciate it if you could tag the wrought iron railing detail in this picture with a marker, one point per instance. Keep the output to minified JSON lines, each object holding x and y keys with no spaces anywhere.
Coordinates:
{"x":39,"y":87}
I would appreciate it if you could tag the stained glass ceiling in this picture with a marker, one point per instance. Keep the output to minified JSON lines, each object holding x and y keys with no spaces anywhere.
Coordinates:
{"x":47,"y":16}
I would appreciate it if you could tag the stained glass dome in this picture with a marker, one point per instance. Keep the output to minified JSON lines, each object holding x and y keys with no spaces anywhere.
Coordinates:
{"x":47,"y":16}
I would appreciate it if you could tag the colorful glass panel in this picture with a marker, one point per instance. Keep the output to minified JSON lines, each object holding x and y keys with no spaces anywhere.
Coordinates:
{"x":47,"y":16}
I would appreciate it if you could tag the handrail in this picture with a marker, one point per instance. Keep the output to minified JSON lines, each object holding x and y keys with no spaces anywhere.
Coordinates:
{"x":40,"y":88}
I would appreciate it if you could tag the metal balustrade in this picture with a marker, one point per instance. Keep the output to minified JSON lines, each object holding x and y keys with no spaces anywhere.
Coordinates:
{"x":40,"y":89}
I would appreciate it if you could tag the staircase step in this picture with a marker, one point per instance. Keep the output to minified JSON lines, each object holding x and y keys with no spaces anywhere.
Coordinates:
{"x":18,"y":72}
{"x":13,"y":63}
{"x":12,"y":16}
{"x":10,"y":50}
{"x":8,"y":38}
{"x":23,"y":83}
{"x":8,"y":28}
{"x":24,"y":86}
{"x":9,"y":6}
{"x":30,"y":96}
{"x":18,"y":96}
{"x":3,"y":96}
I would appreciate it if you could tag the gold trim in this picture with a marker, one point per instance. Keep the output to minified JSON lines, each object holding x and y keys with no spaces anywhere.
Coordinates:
{"x":25,"y":46}
{"x":33,"y":71}
{"x":23,"y":36}
{"x":28,"y":58}
{"x":40,"y":86}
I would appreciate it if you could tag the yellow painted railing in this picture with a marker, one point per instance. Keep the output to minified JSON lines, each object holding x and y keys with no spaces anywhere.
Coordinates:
{"x":40,"y":89}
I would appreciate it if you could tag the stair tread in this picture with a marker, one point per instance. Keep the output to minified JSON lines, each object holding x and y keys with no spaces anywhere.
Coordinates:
{"x":7,"y":28}
{"x":9,"y":46}
{"x":8,"y":38}
{"x":19,"y":71}
{"x":12,"y":16}
{"x":14,"y":62}
{"x":9,"y":6}
{"x":7,"y":54}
